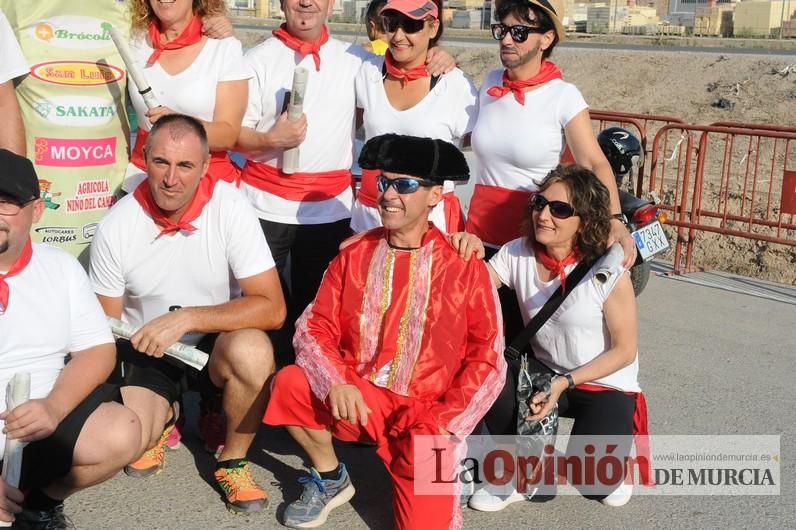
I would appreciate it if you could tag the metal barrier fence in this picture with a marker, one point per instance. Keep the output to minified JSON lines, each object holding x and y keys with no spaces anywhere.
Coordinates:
{"x":647,"y":126}
{"x":727,"y":178}
{"x":642,"y":125}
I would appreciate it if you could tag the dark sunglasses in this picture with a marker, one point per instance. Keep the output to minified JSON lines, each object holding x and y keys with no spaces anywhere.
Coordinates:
{"x":391,"y":23}
{"x":518,"y":33}
{"x":558,"y":209}
{"x":402,"y":185}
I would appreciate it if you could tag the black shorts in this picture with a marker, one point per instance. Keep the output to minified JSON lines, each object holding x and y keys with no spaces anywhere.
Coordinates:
{"x":164,"y":376}
{"x":50,"y":458}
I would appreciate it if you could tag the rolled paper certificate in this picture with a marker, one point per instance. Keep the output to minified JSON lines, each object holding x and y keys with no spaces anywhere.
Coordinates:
{"x":133,"y":70}
{"x":187,"y":354}
{"x":290,"y":161}
{"x":17,"y":393}
{"x":612,"y":264}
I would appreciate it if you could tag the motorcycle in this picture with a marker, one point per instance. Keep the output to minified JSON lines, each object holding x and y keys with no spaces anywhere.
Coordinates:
{"x":642,"y":217}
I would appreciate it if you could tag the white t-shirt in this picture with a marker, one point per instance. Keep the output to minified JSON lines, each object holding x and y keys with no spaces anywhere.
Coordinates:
{"x":12,"y":62}
{"x":191,"y":92}
{"x":52,"y":311}
{"x":448,"y":112}
{"x":576,"y":333}
{"x":185,"y":269}
{"x":516,"y":145}
{"x":329,"y":104}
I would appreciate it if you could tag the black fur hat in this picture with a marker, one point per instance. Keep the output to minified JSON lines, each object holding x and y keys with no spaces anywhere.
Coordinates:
{"x":432,"y":160}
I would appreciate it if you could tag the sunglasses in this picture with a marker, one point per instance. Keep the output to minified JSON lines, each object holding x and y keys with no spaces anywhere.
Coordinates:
{"x":390,"y":24}
{"x":402,"y":185}
{"x":558,"y":209}
{"x":518,"y":33}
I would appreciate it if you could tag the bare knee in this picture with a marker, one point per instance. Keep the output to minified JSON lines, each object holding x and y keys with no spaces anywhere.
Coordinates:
{"x":111,"y":437}
{"x":151,"y":410}
{"x":245,"y":354}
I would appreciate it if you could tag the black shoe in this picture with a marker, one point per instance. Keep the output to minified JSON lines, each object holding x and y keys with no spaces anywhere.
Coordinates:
{"x":52,"y":519}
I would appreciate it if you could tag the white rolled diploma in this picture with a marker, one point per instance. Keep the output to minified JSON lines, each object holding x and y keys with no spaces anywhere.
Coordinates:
{"x":133,"y":70}
{"x":182,"y":352}
{"x":290,"y":160}
{"x":17,"y":393}
{"x":611,"y":265}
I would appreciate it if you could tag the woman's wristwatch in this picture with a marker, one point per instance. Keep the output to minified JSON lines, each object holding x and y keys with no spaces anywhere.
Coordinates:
{"x":621,"y":217}
{"x":570,"y":381}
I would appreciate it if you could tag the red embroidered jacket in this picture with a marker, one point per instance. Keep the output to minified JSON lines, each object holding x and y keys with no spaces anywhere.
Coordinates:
{"x":422,"y":323}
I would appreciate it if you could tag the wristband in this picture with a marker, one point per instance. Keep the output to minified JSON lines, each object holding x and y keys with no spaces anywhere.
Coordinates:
{"x":570,"y":382}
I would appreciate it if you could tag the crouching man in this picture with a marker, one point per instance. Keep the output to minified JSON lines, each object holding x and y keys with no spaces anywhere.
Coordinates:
{"x":403,"y":339}
{"x":183,"y":259}
{"x":77,"y":435}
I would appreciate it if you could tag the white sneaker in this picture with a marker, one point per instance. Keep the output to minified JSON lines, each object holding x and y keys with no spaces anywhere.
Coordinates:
{"x":620,"y":496}
{"x":485,"y":500}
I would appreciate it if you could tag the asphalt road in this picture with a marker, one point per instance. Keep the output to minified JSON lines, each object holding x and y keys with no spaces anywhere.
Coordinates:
{"x":481,"y":42}
{"x":712,"y":362}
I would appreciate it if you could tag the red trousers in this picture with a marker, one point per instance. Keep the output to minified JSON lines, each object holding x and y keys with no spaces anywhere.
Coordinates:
{"x":391,"y":425}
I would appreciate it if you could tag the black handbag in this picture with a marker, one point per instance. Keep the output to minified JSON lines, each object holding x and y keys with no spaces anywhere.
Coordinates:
{"x":529,"y":384}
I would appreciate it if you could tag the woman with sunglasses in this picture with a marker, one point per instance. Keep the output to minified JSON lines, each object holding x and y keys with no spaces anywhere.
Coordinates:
{"x":527,"y":115}
{"x":396,"y":94}
{"x":589,"y":345}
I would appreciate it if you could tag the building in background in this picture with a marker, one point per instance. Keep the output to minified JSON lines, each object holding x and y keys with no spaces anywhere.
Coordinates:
{"x":724,"y":18}
{"x":755,"y":18}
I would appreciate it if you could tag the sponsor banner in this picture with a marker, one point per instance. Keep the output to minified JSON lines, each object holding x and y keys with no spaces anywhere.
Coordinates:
{"x":56,"y":234}
{"x":76,"y":111}
{"x":90,"y":195}
{"x":72,"y":105}
{"x":76,"y":73}
{"x":71,"y":152}
{"x":597,"y":465}
{"x":73,"y":32}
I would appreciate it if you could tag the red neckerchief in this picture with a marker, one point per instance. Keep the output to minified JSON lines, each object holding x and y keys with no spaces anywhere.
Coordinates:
{"x":301,"y":47}
{"x":418,"y":72}
{"x":202,"y":196}
{"x":555,"y":266}
{"x":17,"y":267}
{"x":547,"y":72}
{"x":190,"y":35}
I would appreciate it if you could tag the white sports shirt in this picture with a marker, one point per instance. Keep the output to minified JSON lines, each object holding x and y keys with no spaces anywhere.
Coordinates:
{"x":52,"y":312}
{"x":197,"y":268}
{"x":576,"y":333}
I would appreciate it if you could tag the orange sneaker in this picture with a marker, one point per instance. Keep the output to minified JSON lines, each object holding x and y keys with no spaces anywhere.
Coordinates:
{"x":153,"y":460}
{"x":241,"y":493}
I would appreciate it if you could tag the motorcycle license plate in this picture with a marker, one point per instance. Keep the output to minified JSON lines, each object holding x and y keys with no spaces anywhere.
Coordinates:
{"x":651,"y":240}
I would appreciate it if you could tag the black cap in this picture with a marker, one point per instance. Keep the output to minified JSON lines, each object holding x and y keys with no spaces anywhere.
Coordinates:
{"x":18,"y":180}
{"x":432,"y":160}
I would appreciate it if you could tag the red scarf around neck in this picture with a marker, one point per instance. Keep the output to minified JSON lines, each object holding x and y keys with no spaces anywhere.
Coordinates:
{"x":301,"y":47}
{"x":418,"y":72}
{"x":547,"y":72}
{"x":202,"y":196}
{"x":555,"y":266}
{"x":17,"y":267}
{"x":190,"y":35}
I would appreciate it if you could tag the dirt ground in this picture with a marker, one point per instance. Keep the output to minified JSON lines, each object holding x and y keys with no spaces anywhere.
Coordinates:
{"x":686,"y":85}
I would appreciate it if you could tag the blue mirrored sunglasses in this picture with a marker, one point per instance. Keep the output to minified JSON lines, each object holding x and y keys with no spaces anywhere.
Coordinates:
{"x":403,"y":185}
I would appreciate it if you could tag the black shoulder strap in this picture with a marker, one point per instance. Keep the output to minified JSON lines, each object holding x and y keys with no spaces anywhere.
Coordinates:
{"x":515,"y":348}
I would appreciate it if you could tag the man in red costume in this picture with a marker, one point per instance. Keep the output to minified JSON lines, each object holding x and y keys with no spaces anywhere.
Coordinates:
{"x":403,"y":339}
